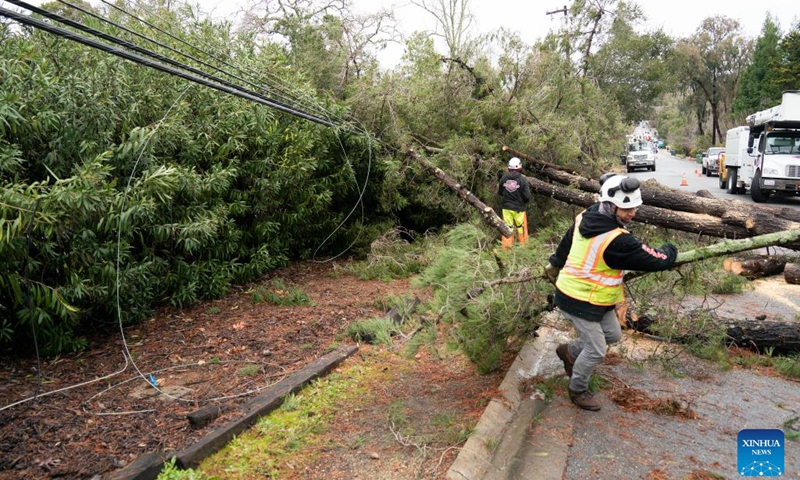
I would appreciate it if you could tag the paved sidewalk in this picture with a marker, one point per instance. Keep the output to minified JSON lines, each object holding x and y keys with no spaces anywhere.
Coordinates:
{"x":525,"y":438}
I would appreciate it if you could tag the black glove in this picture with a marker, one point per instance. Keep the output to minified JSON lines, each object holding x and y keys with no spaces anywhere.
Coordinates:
{"x":551,"y":272}
{"x":670,"y":250}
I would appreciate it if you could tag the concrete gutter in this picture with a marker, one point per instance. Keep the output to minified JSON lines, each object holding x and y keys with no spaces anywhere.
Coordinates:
{"x":493,"y":449}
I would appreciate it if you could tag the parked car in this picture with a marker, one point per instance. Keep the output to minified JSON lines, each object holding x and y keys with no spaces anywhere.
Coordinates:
{"x":711,"y":161}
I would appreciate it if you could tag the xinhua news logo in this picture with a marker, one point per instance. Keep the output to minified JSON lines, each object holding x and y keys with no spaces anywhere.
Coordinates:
{"x":761,"y":453}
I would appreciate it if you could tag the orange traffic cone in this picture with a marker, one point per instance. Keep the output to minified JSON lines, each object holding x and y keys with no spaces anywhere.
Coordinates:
{"x":698,"y":172}
{"x":684,"y":183}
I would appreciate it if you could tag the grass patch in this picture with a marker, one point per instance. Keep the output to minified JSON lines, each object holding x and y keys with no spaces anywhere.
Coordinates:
{"x":276,"y":293}
{"x":249,"y":370}
{"x":373,"y":330}
{"x":172,"y":472}
{"x":296,"y":428}
{"x":789,"y":367}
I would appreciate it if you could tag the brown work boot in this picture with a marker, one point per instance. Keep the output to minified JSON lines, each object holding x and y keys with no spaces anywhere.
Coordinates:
{"x":563,"y":353}
{"x":584,"y":400}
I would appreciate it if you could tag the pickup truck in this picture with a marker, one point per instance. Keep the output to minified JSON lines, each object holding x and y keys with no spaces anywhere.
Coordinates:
{"x":711,"y":161}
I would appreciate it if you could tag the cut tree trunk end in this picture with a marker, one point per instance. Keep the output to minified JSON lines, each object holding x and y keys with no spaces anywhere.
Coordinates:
{"x":791,"y":273}
{"x":752,"y":268}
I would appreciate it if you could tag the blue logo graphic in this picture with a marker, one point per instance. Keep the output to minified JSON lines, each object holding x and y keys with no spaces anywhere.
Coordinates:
{"x":761,"y":453}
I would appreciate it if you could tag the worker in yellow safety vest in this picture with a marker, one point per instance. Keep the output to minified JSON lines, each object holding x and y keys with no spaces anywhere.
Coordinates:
{"x":587,"y":269}
{"x":516,"y":193}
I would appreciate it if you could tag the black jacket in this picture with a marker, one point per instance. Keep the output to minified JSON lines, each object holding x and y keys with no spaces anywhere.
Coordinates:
{"x":625,"y":252}
{"x":515,"y":191}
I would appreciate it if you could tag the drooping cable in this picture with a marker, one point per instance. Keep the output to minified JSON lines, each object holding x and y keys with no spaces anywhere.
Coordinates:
{"x":272,"y":89}
{"x":27,"y":20}
{"x":215,"y":82}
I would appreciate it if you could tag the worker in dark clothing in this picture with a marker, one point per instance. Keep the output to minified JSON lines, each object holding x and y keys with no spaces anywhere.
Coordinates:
{"x":587,"y":269}
{"x":516,"y":193}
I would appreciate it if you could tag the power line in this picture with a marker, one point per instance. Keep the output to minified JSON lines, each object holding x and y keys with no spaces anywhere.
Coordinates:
{"x":272,"y":88}
{"x":222,"y":85}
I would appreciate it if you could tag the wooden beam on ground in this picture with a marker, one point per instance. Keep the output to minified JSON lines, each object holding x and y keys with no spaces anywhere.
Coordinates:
{"x":486,"y":211}
{"x":148,"y":466}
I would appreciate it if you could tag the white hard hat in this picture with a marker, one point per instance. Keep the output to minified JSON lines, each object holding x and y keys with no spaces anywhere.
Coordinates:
{"x":515,"y":164}
{"x":622,"y":191}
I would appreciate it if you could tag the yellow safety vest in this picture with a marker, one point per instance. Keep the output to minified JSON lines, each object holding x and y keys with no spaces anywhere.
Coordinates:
{"x":586,"y":276}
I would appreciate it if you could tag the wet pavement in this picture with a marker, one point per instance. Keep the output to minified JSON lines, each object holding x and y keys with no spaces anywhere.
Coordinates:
{"x":692,"y":434}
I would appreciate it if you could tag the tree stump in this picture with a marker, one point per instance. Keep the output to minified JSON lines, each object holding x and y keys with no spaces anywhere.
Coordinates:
{"x":791,"y":273}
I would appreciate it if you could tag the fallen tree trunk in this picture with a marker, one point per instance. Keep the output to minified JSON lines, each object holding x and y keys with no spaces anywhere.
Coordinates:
{"x":761,"y":336}
{"x":734,"y":224}
{"x":487,"y":212}
{"x":665,"y":197}
{"x":683,"y":221}
{"x":752,"y":268}
{"x":791,"y":273}
{"x":726,"y":247}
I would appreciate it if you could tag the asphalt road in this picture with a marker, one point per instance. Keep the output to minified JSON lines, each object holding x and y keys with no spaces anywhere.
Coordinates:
{"x":670,"y":170}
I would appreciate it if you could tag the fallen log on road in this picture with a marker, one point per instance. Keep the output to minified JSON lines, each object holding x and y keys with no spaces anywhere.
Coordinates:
{"x":791,"y":273}
{"x":759,"y":335}
{"x":683,"y":221}
{"x":657,"y":195}
{"x":753,"y":268}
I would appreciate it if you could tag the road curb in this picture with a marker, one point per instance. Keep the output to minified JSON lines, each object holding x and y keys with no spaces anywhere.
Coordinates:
{"x":501,"y":430}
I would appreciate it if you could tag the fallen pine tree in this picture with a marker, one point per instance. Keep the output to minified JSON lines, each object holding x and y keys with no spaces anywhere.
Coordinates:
{"x":669,"y":208}
{"x":750,"y":226}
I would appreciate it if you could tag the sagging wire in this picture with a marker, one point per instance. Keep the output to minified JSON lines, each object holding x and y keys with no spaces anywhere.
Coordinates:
{"x":239,"y":92}
{"x":359,"y":201}
{"x":219,"y":82}
{"x":271,"y":88}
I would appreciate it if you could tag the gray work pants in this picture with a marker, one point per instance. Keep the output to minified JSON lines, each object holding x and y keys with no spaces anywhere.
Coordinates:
{"x":591,"y":346}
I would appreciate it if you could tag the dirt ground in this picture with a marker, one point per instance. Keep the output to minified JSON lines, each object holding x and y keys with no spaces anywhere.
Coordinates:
{"x":93,"y":413}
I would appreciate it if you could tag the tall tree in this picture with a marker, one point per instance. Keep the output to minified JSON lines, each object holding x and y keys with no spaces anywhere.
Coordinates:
{"x":758,"y":88}
{"x":787,"y":71}
{"x":630,"y":67}
{"x":711,"y":61}
{"x":455,"y":19}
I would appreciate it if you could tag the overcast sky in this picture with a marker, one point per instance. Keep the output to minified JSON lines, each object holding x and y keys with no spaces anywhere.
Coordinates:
{"x":529,"y":18}
{"x":678,"y":18}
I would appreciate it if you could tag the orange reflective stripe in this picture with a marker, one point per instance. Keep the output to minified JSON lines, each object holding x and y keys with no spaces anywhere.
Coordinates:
{"x":585,"y":275}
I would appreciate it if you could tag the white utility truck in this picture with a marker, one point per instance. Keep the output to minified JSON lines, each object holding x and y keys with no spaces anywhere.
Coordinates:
{"x":764,"y":156}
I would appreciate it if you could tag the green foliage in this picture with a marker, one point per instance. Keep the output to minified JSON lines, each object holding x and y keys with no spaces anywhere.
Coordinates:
{"x":122,"y":188}
{"x":278,"y":294}
{"x":789,"y":367}
{"x":373,"y":330}
{"x":172,"y":472}
{"x":487,"y":324}
{"x":729,"y":284}
{"x":758,"y":87}
{"x":397,"y":253}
